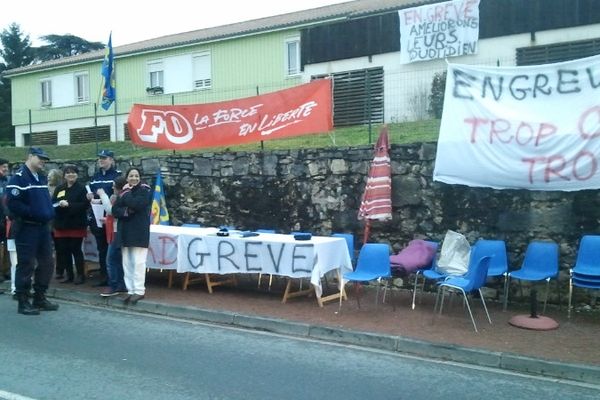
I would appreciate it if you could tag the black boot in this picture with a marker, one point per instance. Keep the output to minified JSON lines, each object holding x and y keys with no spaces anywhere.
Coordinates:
{"x":25,"y":306}
{"x":40,"y":301}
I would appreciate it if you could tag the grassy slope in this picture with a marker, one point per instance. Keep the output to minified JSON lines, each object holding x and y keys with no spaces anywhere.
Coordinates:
{"x":407,"y":132}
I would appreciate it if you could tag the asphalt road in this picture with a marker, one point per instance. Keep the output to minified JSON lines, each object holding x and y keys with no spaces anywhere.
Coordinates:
{"x":90,"y":353}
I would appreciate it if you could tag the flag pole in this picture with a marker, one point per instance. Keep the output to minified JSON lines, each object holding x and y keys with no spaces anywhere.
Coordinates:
{"x":115,"y":100}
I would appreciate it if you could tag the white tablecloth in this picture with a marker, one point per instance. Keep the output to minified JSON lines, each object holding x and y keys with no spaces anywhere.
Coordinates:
{"x":200,"y":250}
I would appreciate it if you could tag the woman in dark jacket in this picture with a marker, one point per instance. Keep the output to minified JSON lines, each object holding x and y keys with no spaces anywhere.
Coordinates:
{"x":70,"y":224}
{"x":132,"y":210}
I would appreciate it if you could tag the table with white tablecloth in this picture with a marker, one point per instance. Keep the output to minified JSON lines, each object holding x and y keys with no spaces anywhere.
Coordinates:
{"x":202,"y":251}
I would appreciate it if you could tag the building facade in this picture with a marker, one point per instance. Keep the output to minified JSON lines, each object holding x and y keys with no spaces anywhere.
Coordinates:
{"x":356,"y":43}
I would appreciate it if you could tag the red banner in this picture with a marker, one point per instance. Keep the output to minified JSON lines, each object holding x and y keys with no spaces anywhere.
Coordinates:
{"x":301,"y":110}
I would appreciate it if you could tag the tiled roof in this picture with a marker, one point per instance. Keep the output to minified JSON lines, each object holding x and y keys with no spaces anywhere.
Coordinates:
{"x":351,"y":9}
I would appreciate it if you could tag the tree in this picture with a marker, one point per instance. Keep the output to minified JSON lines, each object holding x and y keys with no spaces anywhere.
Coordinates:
{"x":16,"y":52}
{"x":61,"y":46}
{"x":436,"y":98}
{"x":16,"y":47}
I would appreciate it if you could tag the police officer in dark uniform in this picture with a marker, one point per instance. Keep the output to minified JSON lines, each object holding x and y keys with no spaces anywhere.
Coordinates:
{"x":103,"y":178}
{"x":29,"y":202}
{"x":3,"y":217}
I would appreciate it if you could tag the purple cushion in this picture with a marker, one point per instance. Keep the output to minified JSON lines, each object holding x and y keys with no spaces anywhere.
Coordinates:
{"x":417,"y":254}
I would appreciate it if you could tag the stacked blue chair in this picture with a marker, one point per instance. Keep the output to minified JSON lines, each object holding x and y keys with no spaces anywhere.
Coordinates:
{"x":373,"y":264}
{"x":586,"y":272}
{"x":540,"y":263}
{"x":473,"y":280}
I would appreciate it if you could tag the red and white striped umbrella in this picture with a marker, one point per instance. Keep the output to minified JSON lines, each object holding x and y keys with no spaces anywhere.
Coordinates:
{"x":376,"y":202}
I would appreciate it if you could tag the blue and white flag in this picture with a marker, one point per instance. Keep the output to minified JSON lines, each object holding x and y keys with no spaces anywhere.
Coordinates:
{"x":108,"y":74}
{"x":159,"y":214}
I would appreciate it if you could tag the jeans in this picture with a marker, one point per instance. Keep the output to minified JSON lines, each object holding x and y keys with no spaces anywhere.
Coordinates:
{"x":114,"y":267}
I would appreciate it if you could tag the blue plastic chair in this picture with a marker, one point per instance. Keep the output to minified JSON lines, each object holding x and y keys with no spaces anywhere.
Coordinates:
{"x":373,"y":264}
{"x":350,"y":242}
{"x":434,"y":275}
{"x":497,"y":250}
{"x":429,"y":269}
{"x":540,"y":263}
{"x":499,"y":262}
{"x":473,"y":280}
{"x":586,"y":272}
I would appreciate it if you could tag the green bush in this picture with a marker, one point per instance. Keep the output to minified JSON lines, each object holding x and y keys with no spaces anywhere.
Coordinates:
{"x":436,"y":98}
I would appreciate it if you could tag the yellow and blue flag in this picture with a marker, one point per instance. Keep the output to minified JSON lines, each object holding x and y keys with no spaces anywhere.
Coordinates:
{"x":108,"y":73}
{"x":159,"y":214}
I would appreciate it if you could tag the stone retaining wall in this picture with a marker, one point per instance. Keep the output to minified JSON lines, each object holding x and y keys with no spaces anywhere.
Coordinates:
{"x":319,"y":190}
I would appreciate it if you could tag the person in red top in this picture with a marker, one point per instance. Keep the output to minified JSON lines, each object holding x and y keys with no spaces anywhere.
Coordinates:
{"x":70,"y":224}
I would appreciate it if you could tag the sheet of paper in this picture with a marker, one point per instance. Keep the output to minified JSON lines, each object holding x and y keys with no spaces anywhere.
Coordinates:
{"x":98,"y":210}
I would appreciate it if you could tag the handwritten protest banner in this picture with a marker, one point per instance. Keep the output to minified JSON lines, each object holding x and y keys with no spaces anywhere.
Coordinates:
{"x":301,"y":110}
{"x":440,"y":30}
{"x":535,"y":127}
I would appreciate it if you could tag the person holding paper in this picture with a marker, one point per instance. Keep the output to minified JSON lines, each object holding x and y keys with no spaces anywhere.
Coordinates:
{"x":30,"y":205}
{"x":103,"y":178}
{"x":70,"y":224}
{"x":55,"y":178}
{"x":132,"y":209}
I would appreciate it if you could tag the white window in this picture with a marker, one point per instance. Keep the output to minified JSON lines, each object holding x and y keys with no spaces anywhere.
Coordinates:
{"x":202,"y":70}
{"x":46,"y":88}
{"x":156,"y":77}
{"x":82,"y":87}
{"x":292,"y":56}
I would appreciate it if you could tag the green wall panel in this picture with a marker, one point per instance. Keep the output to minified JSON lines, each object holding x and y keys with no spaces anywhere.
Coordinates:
{"x":241,"y":67}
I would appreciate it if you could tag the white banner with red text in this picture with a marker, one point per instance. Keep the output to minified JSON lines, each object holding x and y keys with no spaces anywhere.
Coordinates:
{"x":301,"y":110}
{"x":439,"y":30}
{"x":534,"y":127}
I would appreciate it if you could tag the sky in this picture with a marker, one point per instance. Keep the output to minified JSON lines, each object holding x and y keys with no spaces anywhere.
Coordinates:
{"x":133,"y":21}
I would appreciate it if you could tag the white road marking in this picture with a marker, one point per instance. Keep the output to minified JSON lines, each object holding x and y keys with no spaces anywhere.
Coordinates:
{"x":13,"y":396}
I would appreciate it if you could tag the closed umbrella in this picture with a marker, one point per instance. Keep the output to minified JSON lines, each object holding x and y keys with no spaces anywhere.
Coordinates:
{"x":376,"y":202}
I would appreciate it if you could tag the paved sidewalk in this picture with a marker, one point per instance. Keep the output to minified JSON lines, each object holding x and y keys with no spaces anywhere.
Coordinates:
{"x":570,"y":352}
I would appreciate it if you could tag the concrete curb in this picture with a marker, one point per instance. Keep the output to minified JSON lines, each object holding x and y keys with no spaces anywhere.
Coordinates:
{"x":448,"y":352}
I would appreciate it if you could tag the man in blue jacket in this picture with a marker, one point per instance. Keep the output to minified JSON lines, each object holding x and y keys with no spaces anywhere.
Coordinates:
{"x":29,"y":202}
{"x":104,"y":179}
